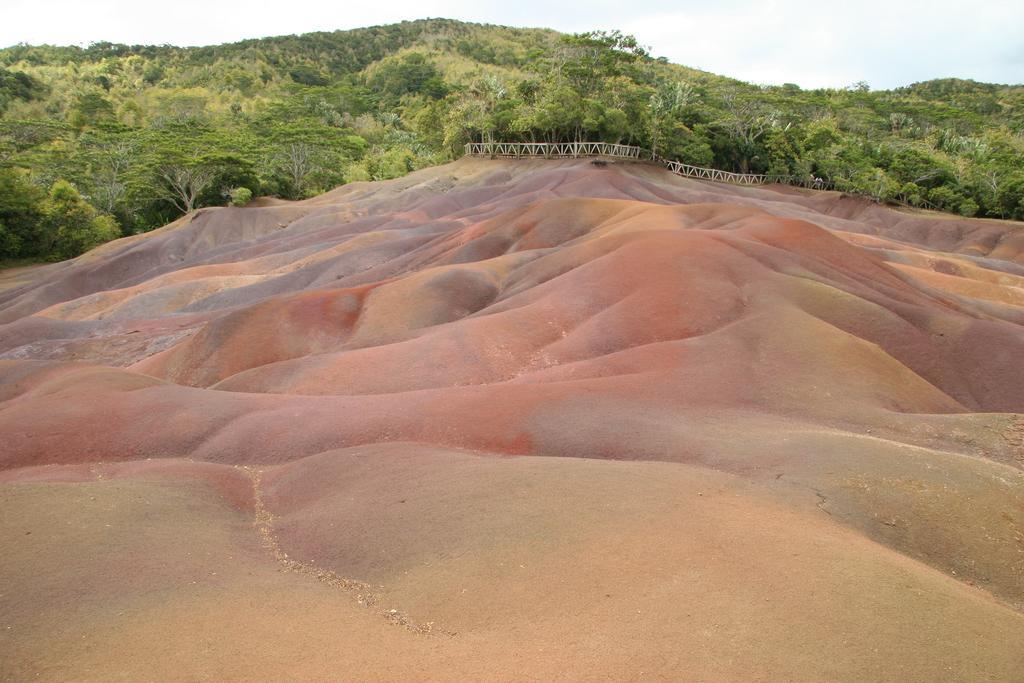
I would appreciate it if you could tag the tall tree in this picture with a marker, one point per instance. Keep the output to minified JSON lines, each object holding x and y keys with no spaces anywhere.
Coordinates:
{"x":183,"y":183}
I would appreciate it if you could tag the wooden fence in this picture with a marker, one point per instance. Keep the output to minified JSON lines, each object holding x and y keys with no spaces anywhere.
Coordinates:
{"x":564,"y":150}
{"x":573,"y":150}
{"x":556,"y":150}
{"x":690,"y":171}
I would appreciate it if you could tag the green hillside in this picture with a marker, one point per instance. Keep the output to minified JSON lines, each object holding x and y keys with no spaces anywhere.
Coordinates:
{"x":117,"y":139}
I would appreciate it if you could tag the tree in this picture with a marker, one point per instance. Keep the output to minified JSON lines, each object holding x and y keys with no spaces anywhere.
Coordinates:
{"x":874,"y":183}
{"x":298,"y":161}
{"x":378,"y":102}
{"x":665,"y":106}
{"x":111,"y":167}
{"x":1010,"y":197}
{"x":916,"y":165}
{"x":91,"y":109}
{"x":745,"y":123}
{"x":183,"y":183}
{"x":73,"y":226}
{"x":307,"y":75}
{"x":412,"y":73}
{"x":783,"y":155}
{"x":898,"y":121}
{"x":478,"y":104}
{"x":17,"y":85}
{"x":585,"y":59}
{"x":21,"y":137}
{"x":20,"y":216}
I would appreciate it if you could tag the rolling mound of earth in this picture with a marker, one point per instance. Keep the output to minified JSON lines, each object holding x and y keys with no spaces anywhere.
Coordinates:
{"x":519,"y":420}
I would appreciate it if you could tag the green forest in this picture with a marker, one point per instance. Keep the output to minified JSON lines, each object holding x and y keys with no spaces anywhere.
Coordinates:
{"x":113,"y":140}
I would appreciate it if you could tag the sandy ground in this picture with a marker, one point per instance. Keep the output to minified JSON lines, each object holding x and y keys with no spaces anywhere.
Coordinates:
{"x":18,"y":276}
{"x":519,"y":420}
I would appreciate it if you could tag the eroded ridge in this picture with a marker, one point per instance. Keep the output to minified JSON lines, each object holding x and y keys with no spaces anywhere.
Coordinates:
{"x":263,"y":521}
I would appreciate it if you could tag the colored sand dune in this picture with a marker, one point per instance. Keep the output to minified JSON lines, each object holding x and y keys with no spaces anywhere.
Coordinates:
{"x":510,"y":420}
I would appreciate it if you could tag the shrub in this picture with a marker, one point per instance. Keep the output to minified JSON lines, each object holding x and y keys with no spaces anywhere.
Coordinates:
{"x":240,"y":196}
{"x":945,"y":198}
{"x":72,"y":225}
{"x":969,"y":208}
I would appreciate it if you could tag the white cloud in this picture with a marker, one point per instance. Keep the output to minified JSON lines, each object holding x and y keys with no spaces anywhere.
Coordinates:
{"x":821,"y":43}
{"x":810,"y":43}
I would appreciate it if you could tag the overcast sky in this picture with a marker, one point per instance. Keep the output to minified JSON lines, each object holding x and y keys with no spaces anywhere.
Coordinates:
{"x":886,"y":43}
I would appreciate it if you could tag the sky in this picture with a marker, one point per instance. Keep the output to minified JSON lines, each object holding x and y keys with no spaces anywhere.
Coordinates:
{"x":813,"y":44}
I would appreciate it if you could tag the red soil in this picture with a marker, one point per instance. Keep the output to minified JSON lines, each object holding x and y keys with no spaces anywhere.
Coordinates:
{"x":830,"y":376}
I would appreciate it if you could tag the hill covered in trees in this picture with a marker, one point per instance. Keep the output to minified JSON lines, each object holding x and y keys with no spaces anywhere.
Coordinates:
{"x":115,"y":139}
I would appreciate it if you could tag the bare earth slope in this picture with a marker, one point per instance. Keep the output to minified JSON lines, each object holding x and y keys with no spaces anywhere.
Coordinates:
{"x":506,"y":420}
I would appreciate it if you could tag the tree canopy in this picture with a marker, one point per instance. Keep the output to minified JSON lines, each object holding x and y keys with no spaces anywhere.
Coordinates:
{"x":142,"y":134}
